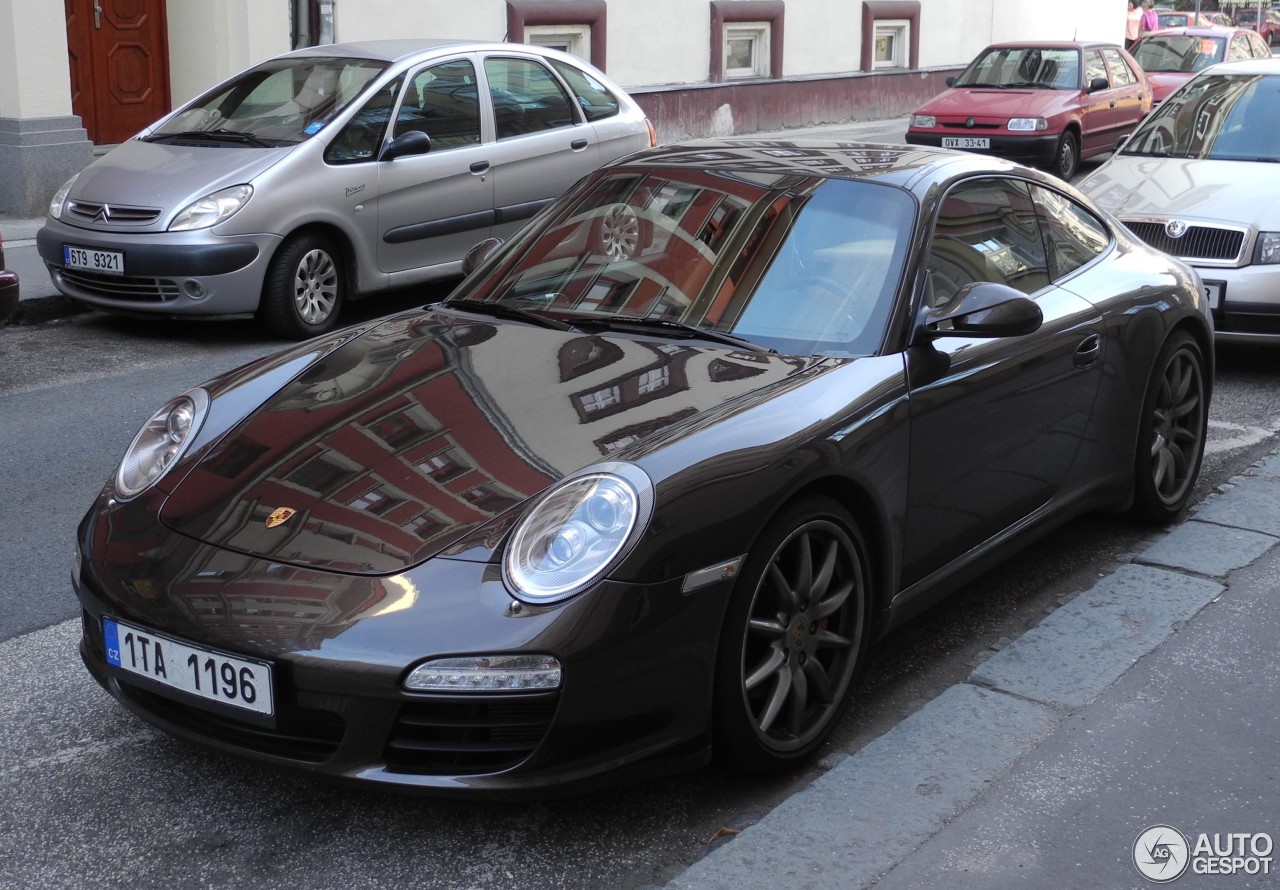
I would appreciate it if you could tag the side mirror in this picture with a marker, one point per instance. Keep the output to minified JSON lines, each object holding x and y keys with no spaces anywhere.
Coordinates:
{"x":415,"y":142}
{"x":950,"y":81}
{"x":1120,"y":142}
{"x":984,"y":309}
{"x":478,"y":254}
{"x":1098,"y":83}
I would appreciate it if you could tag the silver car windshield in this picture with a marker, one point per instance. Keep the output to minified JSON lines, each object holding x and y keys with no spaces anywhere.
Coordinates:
{"x":801,"y":265}
{"x":1223,"y":117}
{"x":281,"y":102}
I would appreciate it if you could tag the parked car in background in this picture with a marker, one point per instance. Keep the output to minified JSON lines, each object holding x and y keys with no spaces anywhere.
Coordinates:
{"x":330,"y":173}
{"x":1044,"y":104}
{"x":1219,"y":19}
{"x":1172,"y":57}
{"x":1178,"y":19}
{"x":653,"y":479}
{"x":8,"y":288}
{"x":1199,"y":180}
{"x":1267,"y":25}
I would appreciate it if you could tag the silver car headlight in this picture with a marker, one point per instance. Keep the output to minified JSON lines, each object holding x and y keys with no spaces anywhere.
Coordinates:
{"x":576,"y":532}
{"x":160,"y":443}
{"x":924,"y":121}
{"x":1268,"y":249}
{"x":211,"y":209}
{"x":1028,"y":124}
{"x":59,"y":199}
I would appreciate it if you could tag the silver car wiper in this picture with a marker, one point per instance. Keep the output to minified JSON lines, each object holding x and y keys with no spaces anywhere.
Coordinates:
{"x":219,"y":135}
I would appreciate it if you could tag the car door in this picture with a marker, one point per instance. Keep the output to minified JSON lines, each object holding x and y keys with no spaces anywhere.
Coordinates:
{"x":542,"y":144}
{"x":1099,"y":105}
{"x":995,"y":423}
{"x":433,"y":207}
{"x":1130,"y":95}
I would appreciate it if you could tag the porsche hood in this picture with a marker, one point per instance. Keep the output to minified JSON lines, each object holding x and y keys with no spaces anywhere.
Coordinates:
{"x":430,"y":425}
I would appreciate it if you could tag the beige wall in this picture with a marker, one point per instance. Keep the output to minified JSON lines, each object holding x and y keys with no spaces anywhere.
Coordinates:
{"x":373,"y":19}
{"x":32,"y":32}
{"x":209,"y":40}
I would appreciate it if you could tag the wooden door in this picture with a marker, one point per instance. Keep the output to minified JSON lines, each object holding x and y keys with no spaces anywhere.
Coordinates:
{"x":119,"y":57}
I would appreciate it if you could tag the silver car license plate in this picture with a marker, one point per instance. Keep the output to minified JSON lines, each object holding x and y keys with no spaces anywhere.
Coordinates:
{"x":195,"y":670}
{"x":110,"y":262}
{"x":1213,"y":293}
{"x":966,"y":142}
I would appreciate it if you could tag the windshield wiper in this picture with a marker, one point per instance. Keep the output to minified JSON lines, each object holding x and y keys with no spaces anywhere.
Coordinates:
{"x":1022,"y":85}
{"x":669,"y":326}
{"x":219,"y":135}
{"x":512,"y":313}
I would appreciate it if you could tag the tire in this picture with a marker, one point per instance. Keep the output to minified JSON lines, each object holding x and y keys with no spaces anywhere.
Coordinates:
{"x":1066,"y":157}
{"x":796,"y":630}
{"x":304,"y":289}
{"x":619,"y":233}
{"x":1171,"y":431}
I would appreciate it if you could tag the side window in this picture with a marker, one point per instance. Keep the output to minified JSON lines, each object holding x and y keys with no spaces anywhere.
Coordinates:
{"x":526,"y":97}
{"x":1094,"y":68}
{"x":594,"y":97}
{"x":361,"y":138}
{"x":1261,"y":49}
{"x":1074,"y":235}
{"x":443,"y":101}
{"x":1121,"y":74}
{"x":986,"y":230}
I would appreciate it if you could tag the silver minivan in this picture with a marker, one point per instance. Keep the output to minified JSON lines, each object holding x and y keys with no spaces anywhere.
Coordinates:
{"x":329,"y":173}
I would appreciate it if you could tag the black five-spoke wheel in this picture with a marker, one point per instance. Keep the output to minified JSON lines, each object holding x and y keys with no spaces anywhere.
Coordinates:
{"x":1174,"y":424}
{"x":796,"y":632}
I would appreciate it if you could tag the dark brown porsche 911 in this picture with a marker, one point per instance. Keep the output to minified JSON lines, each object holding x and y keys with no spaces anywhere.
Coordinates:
{"x":654,"y":478}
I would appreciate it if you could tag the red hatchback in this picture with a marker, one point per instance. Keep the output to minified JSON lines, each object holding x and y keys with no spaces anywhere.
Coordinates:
{"x":1172,"y":57}
{"x":1044,"y":104}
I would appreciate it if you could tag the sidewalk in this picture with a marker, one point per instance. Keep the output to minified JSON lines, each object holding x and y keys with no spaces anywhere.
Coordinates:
{"x":1149,"y":700}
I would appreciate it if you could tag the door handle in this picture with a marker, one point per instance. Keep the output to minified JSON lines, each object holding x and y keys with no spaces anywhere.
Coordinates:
{"x":1088,"y":351}
{"x":97,"y":14}
{"x":1113,"y":103}
{"x":479,"y":166}
{"x":578,"y":144}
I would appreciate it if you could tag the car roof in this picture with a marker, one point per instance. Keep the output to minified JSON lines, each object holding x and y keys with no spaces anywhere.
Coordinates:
{"x":905,"y":166}
{"x":1246,"y":66}
{"x":393,"y":50}
{"x":1054,"y":44}
{"x":1201,"y":31}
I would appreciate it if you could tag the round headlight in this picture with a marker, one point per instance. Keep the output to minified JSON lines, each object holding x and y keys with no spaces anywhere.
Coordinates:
{"x":160,"y":443}
{"x":211,"y":209}
{"x":576,"y":532}
{"x":59,"y":199}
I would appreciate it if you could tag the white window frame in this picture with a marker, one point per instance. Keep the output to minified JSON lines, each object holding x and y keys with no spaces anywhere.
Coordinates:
{"x":573,"y":39}
{"x":759,"y":33}
{"x":898,"y":34}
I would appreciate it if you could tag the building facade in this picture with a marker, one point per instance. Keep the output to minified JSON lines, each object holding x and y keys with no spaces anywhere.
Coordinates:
{"x":75,"y":74}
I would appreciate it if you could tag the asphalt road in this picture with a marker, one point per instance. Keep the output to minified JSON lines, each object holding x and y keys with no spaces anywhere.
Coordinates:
{"x":94,"y":796}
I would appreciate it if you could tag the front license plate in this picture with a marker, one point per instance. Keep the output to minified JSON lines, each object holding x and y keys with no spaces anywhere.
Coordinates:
{"x":966,"y":142}
{"x":1213,"y":292}
{"x":110,"y":262}
{"x":203,"y":673}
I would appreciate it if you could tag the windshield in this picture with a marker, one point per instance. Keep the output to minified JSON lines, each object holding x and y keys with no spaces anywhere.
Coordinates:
{"x":281,"y":102}
{"x":1024,"y":66}
{"x":799,"y":264}
{"x":1226,"y":117}
{"x":1178,"y":52}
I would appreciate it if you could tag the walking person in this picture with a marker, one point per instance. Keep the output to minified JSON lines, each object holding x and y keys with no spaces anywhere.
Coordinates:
{"x":1150,"y":19}
{"x":1133,"y":25}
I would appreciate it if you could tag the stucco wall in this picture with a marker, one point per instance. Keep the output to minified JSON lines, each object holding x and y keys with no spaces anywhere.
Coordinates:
{"x":209,"y":40}
{"x":30,"y":87}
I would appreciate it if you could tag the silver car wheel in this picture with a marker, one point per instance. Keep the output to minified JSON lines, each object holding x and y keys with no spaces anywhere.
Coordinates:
{"x":315,"y":287}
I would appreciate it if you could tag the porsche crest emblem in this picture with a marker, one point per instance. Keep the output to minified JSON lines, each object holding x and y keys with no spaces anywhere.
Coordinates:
{"x":279,"y":516}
